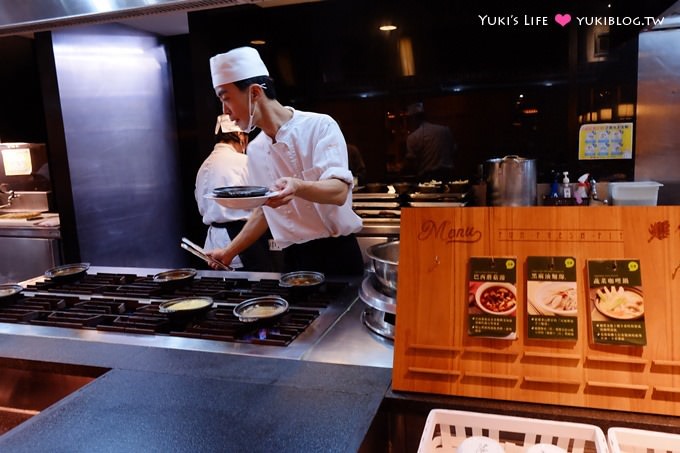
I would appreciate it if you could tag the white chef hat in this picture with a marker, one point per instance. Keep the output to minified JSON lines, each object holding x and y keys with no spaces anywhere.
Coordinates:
{"x":237,"y":64}
{"x":225,"y":124}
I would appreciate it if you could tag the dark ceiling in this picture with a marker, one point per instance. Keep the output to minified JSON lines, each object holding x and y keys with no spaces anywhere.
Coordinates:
{"x":335,"y":46}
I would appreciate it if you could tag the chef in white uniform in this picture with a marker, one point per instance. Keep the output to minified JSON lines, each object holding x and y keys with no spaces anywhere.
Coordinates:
{"x":227,"y":165}
{"x":302,"y":156}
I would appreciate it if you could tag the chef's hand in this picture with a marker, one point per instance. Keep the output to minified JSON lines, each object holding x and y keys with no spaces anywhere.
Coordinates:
{"x":286,"y":187}
{"x":326,"y":191}
{"x":223,"y":255}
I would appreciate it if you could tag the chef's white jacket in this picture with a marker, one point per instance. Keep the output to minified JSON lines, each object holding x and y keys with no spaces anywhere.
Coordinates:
{"x":223,"y":167}
{"x":310,"y":146}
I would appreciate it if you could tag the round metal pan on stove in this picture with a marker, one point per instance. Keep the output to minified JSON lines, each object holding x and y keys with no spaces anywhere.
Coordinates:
{"x":302,"y":279}
{"x":240,"y":191}
{"x":185,"y":308}
{"x":261,"y":308}
{"x":9,"y":292}
{"x":174,"y":277}
{"x":67,"y":272}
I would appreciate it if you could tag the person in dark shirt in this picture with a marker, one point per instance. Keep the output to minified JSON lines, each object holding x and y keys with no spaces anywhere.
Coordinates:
{"x":429,"y":146}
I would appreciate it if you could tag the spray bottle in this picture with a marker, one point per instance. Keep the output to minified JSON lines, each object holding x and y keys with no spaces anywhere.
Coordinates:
{"x":565,"y":187}
{"x":581,"y":192}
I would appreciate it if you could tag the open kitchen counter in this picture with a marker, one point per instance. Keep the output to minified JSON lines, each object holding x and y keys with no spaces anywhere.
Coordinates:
{"x":165,"y":393}
{"x":170,"y":400}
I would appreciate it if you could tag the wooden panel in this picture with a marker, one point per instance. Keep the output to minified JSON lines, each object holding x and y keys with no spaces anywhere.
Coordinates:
{"x":434,"y":354}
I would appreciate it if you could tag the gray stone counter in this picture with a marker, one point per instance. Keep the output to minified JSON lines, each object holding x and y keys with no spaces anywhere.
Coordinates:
{"x":160,"y":400}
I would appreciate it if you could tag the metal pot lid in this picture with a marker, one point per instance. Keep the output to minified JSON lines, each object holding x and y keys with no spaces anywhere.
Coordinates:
{"x":509,"y":158}
{"x":299,"y":279}
{"x":185,"y":304}
{"x":67,"y":270}
{"x":174,"y":275}
{"x":260,"y":308}
{"x":240,"y":191}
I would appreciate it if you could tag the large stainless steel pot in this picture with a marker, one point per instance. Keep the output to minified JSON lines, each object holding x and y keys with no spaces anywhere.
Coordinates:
{"x":510,"y":181}
{"x":384,"y":258}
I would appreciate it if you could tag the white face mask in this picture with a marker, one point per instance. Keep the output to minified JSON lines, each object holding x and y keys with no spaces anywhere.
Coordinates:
{"x":251,"y":111}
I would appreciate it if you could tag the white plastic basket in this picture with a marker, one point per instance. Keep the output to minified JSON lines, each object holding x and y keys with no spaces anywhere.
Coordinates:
{"x":446,"y":429}
{"x":629,"y":440}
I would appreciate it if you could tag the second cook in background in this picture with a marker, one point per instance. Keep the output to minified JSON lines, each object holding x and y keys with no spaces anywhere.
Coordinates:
{"x":430,"y":147}
{"x":303,"y":156}
{"x":227,"y":165}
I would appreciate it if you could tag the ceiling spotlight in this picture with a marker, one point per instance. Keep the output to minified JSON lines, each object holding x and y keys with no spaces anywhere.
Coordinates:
{"x":388,"y":27}
{"x":258,"y":42}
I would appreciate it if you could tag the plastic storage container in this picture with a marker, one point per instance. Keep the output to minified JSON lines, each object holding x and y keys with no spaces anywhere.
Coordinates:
{"x":638,"y":193}
{"x":628,"y":440}
{"x":445,"y":430}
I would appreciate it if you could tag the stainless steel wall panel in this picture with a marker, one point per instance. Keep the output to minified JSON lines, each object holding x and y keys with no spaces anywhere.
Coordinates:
{"x":117,"y":106}
{"x":42,"y":253}
{"x":657,"y":143}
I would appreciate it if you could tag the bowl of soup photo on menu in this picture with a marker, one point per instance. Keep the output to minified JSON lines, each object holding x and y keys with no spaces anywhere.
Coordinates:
{"x":496,"y":298}
{"x":619,"y":302}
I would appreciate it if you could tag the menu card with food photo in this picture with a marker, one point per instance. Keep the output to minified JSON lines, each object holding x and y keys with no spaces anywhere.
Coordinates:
{"x":616,"y":302}
{"x":492,"y":297}
{"x":552,"y":302}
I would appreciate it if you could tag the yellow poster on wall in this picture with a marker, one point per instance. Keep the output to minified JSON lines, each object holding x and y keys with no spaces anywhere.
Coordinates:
{"x":605,"y":141}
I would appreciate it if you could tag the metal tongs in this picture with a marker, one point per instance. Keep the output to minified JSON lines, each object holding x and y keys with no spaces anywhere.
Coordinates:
{"x":199,"y":252}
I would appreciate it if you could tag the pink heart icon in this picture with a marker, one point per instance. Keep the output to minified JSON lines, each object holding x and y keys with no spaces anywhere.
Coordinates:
{"x":563,"y":19}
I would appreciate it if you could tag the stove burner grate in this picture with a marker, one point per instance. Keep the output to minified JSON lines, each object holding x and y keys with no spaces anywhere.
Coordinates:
{"x":128,"y":303}
{"x":220,"y":323}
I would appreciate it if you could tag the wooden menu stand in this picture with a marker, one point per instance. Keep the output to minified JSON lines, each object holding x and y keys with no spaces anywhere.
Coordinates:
{"x":434,"y":354}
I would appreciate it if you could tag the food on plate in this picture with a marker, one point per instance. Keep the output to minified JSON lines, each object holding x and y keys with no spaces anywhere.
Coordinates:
{"x":498,"y":299}
{"x":560,"y":298}
{"x":619,"y":302}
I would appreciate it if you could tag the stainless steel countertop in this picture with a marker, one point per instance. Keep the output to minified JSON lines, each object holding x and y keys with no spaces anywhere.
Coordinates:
{"x":46,"y":226}
{"x":350,"y":342}
{"x":337,"y":336}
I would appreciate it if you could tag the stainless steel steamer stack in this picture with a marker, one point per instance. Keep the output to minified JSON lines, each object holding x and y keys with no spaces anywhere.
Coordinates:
{"x":379,"y":289}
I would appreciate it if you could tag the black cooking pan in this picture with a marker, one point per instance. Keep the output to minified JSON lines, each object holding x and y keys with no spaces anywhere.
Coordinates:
{"x":240,"y":191}
{"x":67,"y":272}
{"x":174,"y":278}
{"x":260,"y":309}
{"x":302,"y":281}
{"x":9,"y":293}
{"x":184,"y":309}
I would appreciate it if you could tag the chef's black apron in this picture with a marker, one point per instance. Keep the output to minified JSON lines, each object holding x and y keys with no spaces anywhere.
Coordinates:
{"x":333,"y":256}
{"x":257,"y":257}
